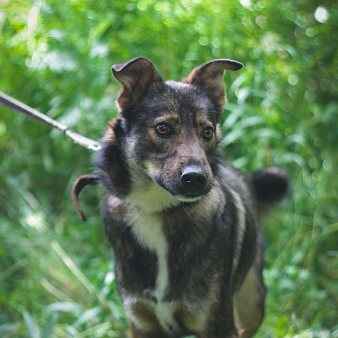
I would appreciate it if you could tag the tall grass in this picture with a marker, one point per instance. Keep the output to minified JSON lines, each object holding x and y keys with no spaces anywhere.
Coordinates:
{"x":54,"y":284}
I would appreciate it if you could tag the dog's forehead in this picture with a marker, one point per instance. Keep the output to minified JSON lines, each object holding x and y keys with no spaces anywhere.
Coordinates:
{"x":185,"y":91}
{"x":178,"y":97}
{"x":178,"y":85}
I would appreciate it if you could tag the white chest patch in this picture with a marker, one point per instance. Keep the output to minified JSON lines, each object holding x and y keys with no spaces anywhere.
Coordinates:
{"x":148,"y":230}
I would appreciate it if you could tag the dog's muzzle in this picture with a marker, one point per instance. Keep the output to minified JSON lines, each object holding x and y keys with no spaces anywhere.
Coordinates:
{"x":194,"y":181}
{"x":193,"y":178}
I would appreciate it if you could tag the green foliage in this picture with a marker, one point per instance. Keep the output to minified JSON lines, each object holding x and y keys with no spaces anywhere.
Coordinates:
{"x":56,"y":275}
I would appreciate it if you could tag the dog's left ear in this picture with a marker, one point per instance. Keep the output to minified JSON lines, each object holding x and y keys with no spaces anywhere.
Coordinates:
{"x":135,"y":76}
{"x":209,"y":77}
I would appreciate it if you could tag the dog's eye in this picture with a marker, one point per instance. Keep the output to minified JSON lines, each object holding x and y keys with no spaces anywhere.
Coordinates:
{"x":162,"y":129}
{"x":208,"y":133}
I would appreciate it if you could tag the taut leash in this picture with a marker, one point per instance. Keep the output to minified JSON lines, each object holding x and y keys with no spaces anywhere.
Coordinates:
{"x":14,"y":104}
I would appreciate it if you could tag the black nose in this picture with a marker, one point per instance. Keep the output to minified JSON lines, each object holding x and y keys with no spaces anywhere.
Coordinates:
{"x":193,"y":177}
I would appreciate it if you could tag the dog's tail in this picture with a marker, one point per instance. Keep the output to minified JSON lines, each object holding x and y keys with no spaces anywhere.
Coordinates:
{"x":79,"y":184}
{"x":270,"y":185}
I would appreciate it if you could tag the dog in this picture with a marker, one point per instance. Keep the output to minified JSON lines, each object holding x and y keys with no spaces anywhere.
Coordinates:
{"x":182,"y":222}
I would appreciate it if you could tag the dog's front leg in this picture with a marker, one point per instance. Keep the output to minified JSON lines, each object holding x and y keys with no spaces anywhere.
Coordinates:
{"x":222,"y":323}
{"x":207,"y":335}
{"x":134,"y":332}
{"x":219,"y":332}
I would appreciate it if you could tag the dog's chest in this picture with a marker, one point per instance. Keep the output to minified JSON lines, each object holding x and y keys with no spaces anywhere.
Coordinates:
{"x":148,"y":231}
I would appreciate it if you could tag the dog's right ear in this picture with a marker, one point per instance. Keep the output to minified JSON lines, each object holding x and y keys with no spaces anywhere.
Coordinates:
{"x":209,"y":77}
{"x":135,"y":76}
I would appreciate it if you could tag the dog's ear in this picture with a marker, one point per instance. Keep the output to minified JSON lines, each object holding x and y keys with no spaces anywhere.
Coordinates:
{"x":135,"y":75}
{"x":209,"y":77}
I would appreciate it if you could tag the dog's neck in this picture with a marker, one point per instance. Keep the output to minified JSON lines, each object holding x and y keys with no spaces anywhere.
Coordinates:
{"x":147,"y":195}
{"x":150,"y":197}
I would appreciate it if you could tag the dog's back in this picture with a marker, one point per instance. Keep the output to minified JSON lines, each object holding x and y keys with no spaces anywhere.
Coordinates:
{"x":183,"y":223}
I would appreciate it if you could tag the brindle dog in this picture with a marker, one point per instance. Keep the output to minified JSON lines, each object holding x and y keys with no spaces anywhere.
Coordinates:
{"x":183,"y":223}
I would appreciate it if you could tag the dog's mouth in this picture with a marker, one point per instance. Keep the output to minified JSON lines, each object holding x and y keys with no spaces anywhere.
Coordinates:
{"x":188,"y":199}
{"x":189,"y":186}
{"x":182,"y":195}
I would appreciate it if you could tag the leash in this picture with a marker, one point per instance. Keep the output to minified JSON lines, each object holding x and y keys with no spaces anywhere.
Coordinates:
{"x":20,"y":107}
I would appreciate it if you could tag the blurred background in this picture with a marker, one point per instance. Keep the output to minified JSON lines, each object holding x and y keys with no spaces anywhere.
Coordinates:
{"x":56,"y":273}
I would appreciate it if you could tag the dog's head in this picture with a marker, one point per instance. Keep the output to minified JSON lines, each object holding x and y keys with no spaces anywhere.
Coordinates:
{"x":167,"y":131}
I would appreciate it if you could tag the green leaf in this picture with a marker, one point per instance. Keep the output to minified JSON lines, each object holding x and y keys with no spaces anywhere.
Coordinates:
{"x":73,"y":308}
{"x":32,"y":326}
{"x":51,"y":321}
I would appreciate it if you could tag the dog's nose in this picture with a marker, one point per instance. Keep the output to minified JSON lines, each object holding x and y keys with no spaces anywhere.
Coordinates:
{"x":194,"y":177}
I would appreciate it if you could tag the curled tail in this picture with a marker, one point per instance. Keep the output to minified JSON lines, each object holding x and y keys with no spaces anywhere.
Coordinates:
{"x":79,"y":184}
{"x":270,"y":185}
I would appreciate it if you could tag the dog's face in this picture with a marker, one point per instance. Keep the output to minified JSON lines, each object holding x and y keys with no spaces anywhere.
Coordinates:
{"x":172,"y":135}
{"x":170,"y":128}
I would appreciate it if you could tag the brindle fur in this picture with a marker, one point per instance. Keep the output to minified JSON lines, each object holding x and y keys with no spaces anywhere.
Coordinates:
{"x":188,"y":259}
